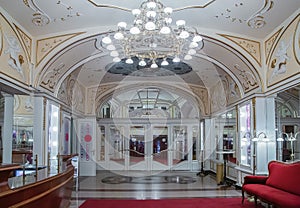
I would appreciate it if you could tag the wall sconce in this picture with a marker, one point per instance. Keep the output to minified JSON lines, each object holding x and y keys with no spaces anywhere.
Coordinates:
{"x":292,"y":139}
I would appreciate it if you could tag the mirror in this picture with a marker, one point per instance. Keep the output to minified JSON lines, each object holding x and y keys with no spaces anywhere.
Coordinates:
{"x":288,"y":124}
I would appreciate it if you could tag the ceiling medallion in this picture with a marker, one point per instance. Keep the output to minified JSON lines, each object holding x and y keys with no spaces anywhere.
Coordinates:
{"x":152,"y":37}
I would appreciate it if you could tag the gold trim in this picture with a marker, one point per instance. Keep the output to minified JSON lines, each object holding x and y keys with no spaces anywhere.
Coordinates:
{"x":21,"y":33}
{"x":279,"y":38}
{"x":266,"y":53}
{"x":257,"y":20}
{"x":297,"y":41}
{"x":1,"y":40}
{"x":14,"y":31}
{"x":37,"y":44}
{"x":109,"y":6}
{"x":129,"y":10}
{"x":195,"y":6}
{"x":259,"y":46}
{"x":42,"y":73}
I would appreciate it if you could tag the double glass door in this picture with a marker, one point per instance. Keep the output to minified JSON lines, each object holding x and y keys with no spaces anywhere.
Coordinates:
{"x":146,"y":147}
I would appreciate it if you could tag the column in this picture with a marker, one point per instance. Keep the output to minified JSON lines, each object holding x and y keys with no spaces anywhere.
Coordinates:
{"x":264,"y":122}
{"x":39,"y":130}
{"x":8,"y":127}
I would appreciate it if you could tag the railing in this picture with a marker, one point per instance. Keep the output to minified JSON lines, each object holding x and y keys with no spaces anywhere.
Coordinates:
{"x":42,"y":191}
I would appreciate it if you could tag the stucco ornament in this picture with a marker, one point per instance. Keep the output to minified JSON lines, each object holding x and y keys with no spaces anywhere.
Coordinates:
{"x":15,"y":60}
{"x":279,"y":63}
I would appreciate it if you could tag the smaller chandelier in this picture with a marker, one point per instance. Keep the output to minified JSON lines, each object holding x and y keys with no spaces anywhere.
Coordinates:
{"x":152,"y":39}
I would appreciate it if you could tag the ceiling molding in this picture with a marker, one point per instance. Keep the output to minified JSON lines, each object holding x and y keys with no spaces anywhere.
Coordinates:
{"x":251,"y":46}
{"x":269,"y":44}
{"x":26,"y":40}
{"x":46,"y":45}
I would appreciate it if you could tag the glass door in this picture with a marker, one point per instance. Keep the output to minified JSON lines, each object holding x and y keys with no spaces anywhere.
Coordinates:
{"x":137,"y":147}
{"x":160,"y":144}
{"x":180,"y":143}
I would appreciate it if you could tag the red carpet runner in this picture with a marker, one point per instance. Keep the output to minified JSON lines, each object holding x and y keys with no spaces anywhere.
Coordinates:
{"x":169,"y":203}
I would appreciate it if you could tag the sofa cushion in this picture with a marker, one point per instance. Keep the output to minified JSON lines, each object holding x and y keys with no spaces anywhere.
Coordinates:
{"x":284,"y":176}
{"x":275,"y":196}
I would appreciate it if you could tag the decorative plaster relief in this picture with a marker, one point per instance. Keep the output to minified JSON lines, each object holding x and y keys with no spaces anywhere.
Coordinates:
{"x":257,"y":20}
{"x":248,"y":80}
{"x":284,"y":62}
{"x":70,"y":11}
{"x":45,"y":46}
{"x":124,"y":8}
{"x":224,"y":93}
{"x":13,"y":49}
{"x":91,"y":98}
{"x":51,"y":76}
{"x":228,"y":13}
{"x":23,"y":105}
{"x":269,"y":45}
{"x":26,"y":41}
{"x":40,"y":18}
{"x":218,"y":98}
{"x":279,"y":63}
{"x":1,"y":40}
{"x":13,"y":59}
{"x":71,"y":93}
{"x":297,"y":43}
{"x":202,"y":99}
{"x":62,"y":94}
{"x":251,"y":46}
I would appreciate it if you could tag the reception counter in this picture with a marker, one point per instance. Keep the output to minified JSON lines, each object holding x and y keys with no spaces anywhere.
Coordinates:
{"x":41,"y":190}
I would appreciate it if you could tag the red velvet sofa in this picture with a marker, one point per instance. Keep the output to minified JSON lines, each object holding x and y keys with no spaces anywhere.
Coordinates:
{"x":281,"y":187}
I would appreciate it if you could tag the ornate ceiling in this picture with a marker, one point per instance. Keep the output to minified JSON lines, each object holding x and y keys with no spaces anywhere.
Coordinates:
{"x":61,"y":39}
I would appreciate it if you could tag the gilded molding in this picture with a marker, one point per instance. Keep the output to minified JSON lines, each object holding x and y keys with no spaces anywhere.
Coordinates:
{"x":39,"y":17}
{"x":296,"y":45}
{"x":248,"y":80}
{"x":227,"y":13}
{"x":282,"y":66}
{"x":257,"y":20}
{"x":27,"y":41}
{"x":17,"y":63}
{"x":202,"y":98}
{"x":51,"y":77}
{"x":251,"y":46}
{"x":1,"y":40}
{"x":45,"y":46}
{"x":71,"y":93}
{"x":129,"y":10}
{"x":269,"y":45}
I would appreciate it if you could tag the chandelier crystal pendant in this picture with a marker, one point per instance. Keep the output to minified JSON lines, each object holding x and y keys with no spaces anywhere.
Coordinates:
{"x":152,"y":37}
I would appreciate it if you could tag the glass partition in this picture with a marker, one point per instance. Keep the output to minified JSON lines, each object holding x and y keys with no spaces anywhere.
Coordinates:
{"x":288,"y":124}
{"x":245,"y":134}
{"x":180,"y":144}
{"x":227,"y":130}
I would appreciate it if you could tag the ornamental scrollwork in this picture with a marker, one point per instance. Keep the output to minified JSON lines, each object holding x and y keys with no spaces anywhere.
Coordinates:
{"x":52,"y":76}
{"x":248,"y":79}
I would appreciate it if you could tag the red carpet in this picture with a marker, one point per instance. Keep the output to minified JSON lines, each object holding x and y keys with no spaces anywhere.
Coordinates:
{"x":169,"y":203}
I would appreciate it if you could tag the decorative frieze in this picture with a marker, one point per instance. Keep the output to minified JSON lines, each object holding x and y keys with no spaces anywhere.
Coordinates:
{"x":251,"y":46}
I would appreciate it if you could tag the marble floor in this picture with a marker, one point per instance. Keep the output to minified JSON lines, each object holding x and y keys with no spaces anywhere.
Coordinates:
{"x":142,"y":185}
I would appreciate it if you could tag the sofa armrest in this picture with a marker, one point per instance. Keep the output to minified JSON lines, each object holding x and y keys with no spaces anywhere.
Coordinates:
{"x":251,"y":179}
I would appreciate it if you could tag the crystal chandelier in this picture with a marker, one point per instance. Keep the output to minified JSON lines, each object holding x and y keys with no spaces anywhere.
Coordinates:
{"x":152,"y":39}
